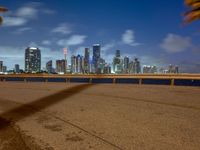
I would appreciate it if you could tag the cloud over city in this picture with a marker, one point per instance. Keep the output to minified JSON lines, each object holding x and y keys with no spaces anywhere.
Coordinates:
{"x":128,"y":37}
{"x":174,"y":43}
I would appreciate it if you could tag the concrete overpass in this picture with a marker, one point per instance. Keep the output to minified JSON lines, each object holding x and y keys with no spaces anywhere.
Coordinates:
{"x":160,"y":79}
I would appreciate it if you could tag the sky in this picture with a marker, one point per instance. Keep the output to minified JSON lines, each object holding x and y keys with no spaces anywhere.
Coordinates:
{"x":153,"y":31}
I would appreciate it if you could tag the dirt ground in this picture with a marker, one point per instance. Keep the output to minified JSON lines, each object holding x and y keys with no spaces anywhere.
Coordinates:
{"x":63,"y":116}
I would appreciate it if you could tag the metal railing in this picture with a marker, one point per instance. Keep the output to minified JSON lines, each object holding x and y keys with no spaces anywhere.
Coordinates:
{"x":159,"y":79}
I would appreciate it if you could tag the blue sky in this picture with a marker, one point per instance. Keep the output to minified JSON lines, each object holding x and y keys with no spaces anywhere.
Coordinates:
{"x":151,"y":30}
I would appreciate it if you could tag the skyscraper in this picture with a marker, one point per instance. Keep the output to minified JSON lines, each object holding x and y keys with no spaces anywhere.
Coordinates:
{"x":77,"y":64}
{"x":4,"y":69}
{"x":117,"y":54}
{"x":80,"y":64}
{"x":96,"y":56}
{"x":73,"y":64}
{"x":60,"y":66}
{"x":117,"y":62}
{"x":126,"y":64}
{"x":149,"y":69}
{"x":49,"y":66}
{"x":87,"y":60}
{"x":107,"y":69}
{"x":170,"y":70}
{"x":134,"y":66}
{"x":32,"y":60}
{"x":176,"y":69}
{"x":17,"y":69}
{"x":1,"y":66}
{"x":137,"y":66}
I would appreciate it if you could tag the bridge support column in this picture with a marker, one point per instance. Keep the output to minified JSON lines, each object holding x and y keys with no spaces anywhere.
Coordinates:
{"x":90,"y":81}
{"x":140,"y":81}
{"x":114,"y":80}
{"x":172,"y":82}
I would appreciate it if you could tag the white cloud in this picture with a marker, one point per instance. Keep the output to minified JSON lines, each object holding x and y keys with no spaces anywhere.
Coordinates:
{"x":46,"y":42}
{"x":14,"y":21}
{"x":27,"y":12}
{"x":175,"y":43}
{"x":63,"y":29}
{"x":72,"y":41}
{"x":24,"y":14}
{"x":129,"y":38}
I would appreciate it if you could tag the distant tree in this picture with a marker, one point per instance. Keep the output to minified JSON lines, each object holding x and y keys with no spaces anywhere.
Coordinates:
{"x":2,"y":10}
{"x":194,"y":13}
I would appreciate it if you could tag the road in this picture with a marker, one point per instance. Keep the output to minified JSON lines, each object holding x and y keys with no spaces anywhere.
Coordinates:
{"x":61,"y":116}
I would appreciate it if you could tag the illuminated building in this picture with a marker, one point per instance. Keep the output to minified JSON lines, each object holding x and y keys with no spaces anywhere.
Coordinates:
{"x":134,"y":66}
{"x":96,"y":56}
{"x":126,"y":64}
{"x":60,"y":66}
{"x":87,"y":60}
{"x":117,"y":63}
{"x":32,"y":60}
{"x":17,"y":69}
{"x":49,"y":66}
{"x":1,"y":66}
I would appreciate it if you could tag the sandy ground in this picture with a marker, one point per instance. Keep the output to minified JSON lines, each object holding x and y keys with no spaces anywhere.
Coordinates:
{"x":62,"y":116}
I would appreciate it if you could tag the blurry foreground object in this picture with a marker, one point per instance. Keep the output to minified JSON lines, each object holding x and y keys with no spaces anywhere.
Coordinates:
{"x":2,"y":10}
{"x":194,"y":13}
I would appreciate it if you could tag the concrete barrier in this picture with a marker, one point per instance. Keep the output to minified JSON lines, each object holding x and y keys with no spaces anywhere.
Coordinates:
{"x":155,"y":79}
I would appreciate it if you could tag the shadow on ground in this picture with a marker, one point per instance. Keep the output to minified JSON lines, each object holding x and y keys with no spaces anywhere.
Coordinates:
{"x":24,"y":111}
{"x":8,"y":133}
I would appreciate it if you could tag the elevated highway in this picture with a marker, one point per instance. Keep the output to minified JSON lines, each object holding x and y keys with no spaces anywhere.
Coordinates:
{"x":160,"y":79}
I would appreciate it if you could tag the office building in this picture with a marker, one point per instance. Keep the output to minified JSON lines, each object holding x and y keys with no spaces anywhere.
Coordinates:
{"x":79,"y":64}
{"x":107,"y":69}
{"x":60,"y":66}
{"x":4,"y":69}
{"x":73,"y":64}
{"x":87,"y":60}
{"x":117,"y":63}
{"x":32,"y":60}
{"x":1,"y":66}
{"x":176,"y":70}
{"x":134,"y":66}
{"x":126,"y":64}
{"x":96,"y":56}
{"x":49,"y":66}
{"x":17,"y":69}
{"x":149,"y":69}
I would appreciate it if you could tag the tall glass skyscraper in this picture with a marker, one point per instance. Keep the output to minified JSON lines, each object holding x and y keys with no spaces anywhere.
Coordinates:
{"x":96,"y":56}
{"x":32,"y":60}
{"x":87,"y":60}
{"x":60,"y":66}
{"x":117,"y":54}
{"x":49,"y":66}
{"x":126,"y":64}
{"x":117,"y":63}
{"x":1,"y":66}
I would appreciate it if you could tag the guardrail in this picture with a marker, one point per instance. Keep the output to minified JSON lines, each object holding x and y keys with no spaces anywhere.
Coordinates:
{"x":158,"y":79}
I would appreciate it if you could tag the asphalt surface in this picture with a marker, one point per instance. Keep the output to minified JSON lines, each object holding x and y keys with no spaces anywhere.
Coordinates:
{"x":62,"y":116}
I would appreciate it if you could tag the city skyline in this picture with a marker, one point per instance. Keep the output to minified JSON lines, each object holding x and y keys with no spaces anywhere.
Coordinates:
{"x":89,"y":63}
{"x":137,"y":30}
